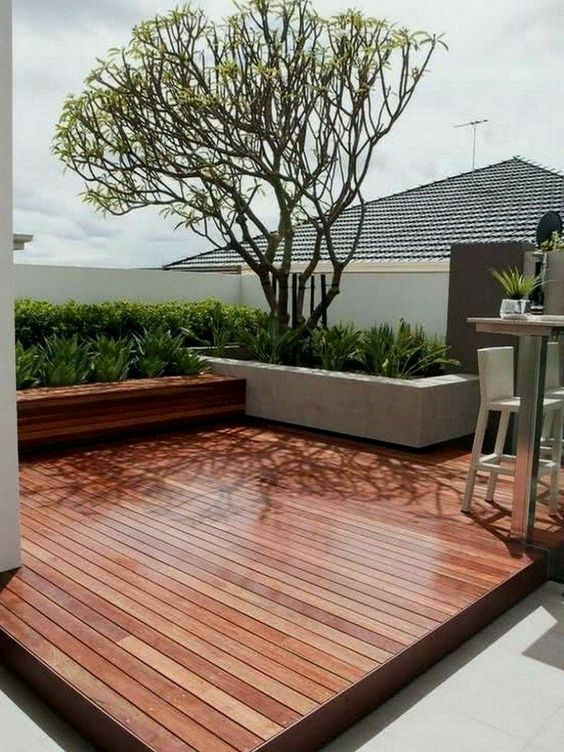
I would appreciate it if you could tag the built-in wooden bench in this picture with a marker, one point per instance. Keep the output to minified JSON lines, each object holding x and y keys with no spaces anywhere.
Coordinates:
{"x":65,"y":415}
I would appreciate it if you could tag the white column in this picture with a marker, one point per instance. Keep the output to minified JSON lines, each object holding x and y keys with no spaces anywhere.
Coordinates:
{"x":9,"y":502}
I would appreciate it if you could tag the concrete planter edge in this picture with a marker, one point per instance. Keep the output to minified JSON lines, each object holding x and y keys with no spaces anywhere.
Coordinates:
{"x":413,"y":413}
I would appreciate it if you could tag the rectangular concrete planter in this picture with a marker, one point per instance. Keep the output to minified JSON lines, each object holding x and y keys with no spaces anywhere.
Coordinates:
{"x":413,"y":413}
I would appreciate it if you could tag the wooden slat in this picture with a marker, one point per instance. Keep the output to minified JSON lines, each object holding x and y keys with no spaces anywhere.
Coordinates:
{"x":246,"y":587}
{"x":64,"y":415}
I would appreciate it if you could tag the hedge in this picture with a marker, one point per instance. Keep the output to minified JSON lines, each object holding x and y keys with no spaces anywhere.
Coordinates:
{"x":38,"y":320}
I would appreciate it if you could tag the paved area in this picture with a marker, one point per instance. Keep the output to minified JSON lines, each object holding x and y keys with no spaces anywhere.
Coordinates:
{"x":503,"y":691}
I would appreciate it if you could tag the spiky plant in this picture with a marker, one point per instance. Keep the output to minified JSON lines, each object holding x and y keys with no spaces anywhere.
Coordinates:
{"x":515,"y":284}
{"x":28,"y":365}
{"x":336,"y":346}
{"x":189,"y":363}
{"x":65,"y":361}
{"x":111,"y":358}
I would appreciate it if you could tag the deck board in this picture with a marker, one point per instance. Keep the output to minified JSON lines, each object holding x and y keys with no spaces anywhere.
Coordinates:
{"x":249,"y":587}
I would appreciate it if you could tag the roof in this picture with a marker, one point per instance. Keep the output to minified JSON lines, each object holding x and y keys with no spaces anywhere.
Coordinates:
{"x":500,"y":202}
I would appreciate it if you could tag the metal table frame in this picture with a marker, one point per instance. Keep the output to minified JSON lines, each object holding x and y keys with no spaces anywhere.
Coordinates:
{"x":534,"y":335}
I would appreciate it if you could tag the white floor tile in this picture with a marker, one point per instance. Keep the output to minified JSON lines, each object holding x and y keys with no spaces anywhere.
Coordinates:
{"x":427,"y":727}
{"x":550,"y":737}
{"x":18,"y":731}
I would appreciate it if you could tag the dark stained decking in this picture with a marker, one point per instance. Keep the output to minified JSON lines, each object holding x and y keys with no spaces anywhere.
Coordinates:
{"x":248,"y":587}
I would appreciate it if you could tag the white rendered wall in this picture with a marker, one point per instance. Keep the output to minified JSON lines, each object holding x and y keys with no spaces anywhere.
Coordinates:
{"x":86,"y":285}
{"x":420,"y":297}
{"x":9,"y":503}
{"x":367,"y":298}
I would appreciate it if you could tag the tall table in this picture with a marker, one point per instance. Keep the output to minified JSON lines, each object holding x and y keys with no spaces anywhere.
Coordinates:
{"x":533,"y":333}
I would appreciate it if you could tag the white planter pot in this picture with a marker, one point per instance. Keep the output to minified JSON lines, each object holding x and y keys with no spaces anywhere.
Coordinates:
{"x":412,"y":413}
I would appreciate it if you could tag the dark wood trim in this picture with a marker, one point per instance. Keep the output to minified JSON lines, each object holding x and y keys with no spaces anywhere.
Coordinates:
{"x":351,"y":705}
{"x":80,"y":712}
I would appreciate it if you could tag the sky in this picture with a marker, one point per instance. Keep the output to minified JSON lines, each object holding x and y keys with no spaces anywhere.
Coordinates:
{"x":504,"y":63}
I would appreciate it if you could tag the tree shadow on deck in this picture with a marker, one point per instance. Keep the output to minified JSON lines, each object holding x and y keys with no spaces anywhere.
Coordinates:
{"x":227,"y":470}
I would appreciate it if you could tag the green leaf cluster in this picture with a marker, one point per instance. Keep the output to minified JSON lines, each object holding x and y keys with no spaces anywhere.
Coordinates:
{"x":404,"y":352}
{"x":65,"y":361}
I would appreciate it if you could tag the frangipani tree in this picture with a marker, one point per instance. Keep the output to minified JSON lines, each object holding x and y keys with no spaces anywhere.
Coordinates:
{"x":275,"y":107}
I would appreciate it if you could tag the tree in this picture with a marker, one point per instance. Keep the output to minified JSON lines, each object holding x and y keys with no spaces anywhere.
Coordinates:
{"x":276,"y":106}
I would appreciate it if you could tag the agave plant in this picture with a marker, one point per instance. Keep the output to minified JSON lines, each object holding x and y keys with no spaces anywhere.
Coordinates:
{"x":65,"y":361}
{"x":111,"y":358}
{"x":28,"y":364}
{"x":515,"y":284}
{"x":336,"y":346}
{"x":157,"y":351}
{"x":268,"y":343}
{"x":188,"y":363}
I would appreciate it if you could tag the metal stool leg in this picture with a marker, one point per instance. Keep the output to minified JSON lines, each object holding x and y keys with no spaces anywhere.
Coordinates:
{"x":556,"y":458}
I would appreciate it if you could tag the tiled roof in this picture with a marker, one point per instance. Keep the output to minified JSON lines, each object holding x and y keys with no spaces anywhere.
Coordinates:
{"x":501,"y":202}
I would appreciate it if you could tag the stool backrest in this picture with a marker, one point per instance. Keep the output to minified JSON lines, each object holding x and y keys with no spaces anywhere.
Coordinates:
{"x":553,"y":365}
{"x":495,"y":366}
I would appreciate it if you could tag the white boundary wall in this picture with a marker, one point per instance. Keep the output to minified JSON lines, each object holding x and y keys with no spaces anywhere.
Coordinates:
{"x":416,"y":293}
{"x":86,"y":285}
{"x":9,"y":502}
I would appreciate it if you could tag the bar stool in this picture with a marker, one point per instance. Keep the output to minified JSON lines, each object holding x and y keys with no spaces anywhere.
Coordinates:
{"x":497,"y":394}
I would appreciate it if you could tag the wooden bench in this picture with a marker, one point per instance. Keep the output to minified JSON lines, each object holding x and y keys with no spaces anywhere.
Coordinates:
{"x":66,"y":415}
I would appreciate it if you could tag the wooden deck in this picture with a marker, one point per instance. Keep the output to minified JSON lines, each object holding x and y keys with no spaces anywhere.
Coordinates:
{"x":245,"y":587}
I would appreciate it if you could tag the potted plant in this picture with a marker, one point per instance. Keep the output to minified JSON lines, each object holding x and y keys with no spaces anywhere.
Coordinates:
{"x":517,"y":288}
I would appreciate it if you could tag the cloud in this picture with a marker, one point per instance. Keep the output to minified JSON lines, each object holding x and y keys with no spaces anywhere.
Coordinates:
{"x":504,"y":64}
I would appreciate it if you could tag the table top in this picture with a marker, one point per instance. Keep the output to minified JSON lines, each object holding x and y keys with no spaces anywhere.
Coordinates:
{"x":540,"y":326}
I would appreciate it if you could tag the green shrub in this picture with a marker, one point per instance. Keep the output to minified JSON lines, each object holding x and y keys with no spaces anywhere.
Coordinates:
{"x":403,"y":354}
{"x":224,"y":330}
{"x":111,"y":358}
{"x":189,"y":363}
{"x":337,"y":346}
{"x":37,"y":320}
{"x":65,"y":362}
{"x":267,"y":343}
{"x":28,"y":364}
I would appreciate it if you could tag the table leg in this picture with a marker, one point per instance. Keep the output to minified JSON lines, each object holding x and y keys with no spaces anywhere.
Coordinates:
{"x":531,"y":380}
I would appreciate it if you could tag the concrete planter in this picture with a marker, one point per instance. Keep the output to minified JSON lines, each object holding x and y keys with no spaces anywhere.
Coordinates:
{"x":415,"y":413}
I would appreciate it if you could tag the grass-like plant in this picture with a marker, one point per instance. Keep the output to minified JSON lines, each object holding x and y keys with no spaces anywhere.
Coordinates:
{"x":337,"y":346}
{"x":28,"y":365}
{"x":268,"y":343}
{"x":111,"y":358}
{"x":65,"y":361}
{"x":515,"y":284}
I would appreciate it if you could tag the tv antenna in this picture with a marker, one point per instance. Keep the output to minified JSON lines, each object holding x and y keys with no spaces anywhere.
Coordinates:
{"x":474,"y":124}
